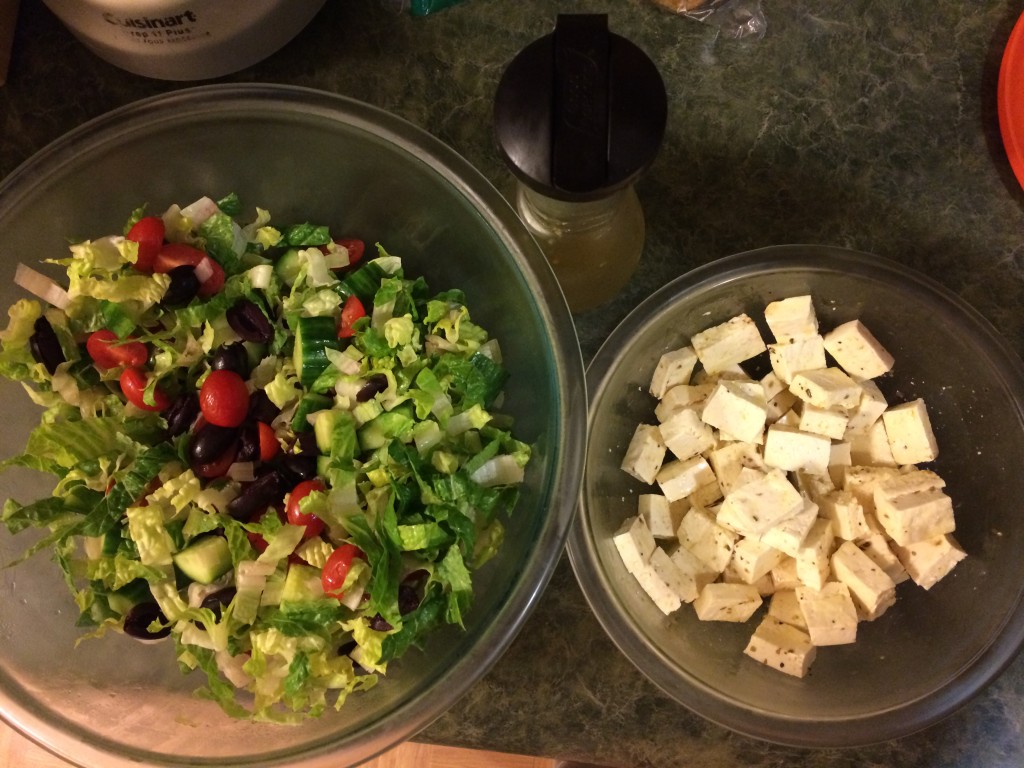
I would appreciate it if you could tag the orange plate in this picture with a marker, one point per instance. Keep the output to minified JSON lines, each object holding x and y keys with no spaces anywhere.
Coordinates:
{"x":1011,"y":99}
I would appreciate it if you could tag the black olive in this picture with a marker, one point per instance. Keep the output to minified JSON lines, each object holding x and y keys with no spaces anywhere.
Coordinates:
{"x":299,"y":467}
{"x":410,"y":591}
{"x":248,"y":442}
{"x":183,"y":287}
{"x":258,"y":495}
{"x":140,"y":616}
{"x":248,"y":321}
{"x":374,"y":385}
{"x":306,"y":445}
{"x":262,"y":408}
{"x":231,"y":357}
{"x":45,"y":346}
{"x":379,"y":624}
{"x":217,"y":601}
{"x":210,"y":442}
{"x":182,"y":413}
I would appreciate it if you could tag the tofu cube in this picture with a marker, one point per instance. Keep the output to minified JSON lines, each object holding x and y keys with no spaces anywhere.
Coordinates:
{"x":791,"y":318}
{"x":846,"y":513}
{"x":877,"y":547}
{"x":830,"y":422}
{"x":871,"y":588}
{"x":857,"y":351}
{"x":912,"y":507}
{"x":729,"y":461}
{"x":840,"y":457}
{"x":788,"y":535}
{"x":710,"y":542}
{"x":777,"y":396}
{"x":706,"y":495}
{"x":813,"y":485}
{"x":784,"y":575}
{"x":781,"y":646}
{"x":792,"y":449}
{"x":681,"y":477}
{"x":752,"y":559}
{"x":791,"y":357}
{"x":693,"y":567}
{"x":686,"y":435}
{"x":680,"y":586}
{"x":661,"y":518}
{"x":635,"y":544}
{"x":724,"y":601}
{"x":757,"y":506}
{"x":728,"y":344}
{"x":910,"y":433}
{"x":829,"y":612}
{"x":826,"y":388}
{"x":861,"y":482}
{"x":737,"y":408}
{"x":869,"y":409}
{"x":813,"y":559}
{"x":673,"y":368}
{"x":645,"y":453}
{"x":929,"y":561}
{"x":680,"y":397}
{"x":786,"y":608}
{"x":872,"y":448}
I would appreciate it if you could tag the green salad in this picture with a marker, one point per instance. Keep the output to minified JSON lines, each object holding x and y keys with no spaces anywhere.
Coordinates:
{"x":271,"y":446}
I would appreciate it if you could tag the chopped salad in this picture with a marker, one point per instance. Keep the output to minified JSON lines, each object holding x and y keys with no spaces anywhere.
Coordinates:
{"x":270,"y":444}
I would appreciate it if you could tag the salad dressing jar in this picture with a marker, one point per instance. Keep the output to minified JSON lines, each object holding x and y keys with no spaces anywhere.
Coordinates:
{"x":579,"y":117}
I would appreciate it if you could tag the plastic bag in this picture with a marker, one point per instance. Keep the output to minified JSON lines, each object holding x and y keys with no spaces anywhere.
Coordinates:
{"x":733,"y":18}
{"x":421,"y":7}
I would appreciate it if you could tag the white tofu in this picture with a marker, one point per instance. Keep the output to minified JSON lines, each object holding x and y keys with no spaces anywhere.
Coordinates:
{"x":791,"y":318}
{"x":737,"y":408}
{"x":912,"y":507}
{"x":857,"y":351}
{"x":710,"y":542}
{"x":693,"y":567}
{"x":877,"y":547}
{"x":869,"y":408}
{"x":791,"y":357}
{"x":635,"y":544}
{"x":929,"y":561}
{"x":785,"y":607}
{"x":826,"y":388}
{"x":686,"y":435}
{"x":910,"y":433}
{"x":872,"y":590}
{"x":792,"y":449}
{"x":781,"y":646}
{"x":872,"y":448}
{"x":813,"y":485}
{"x":734,"y":372}
{"x":788,"y":535}
{"x":784,"y":575}
{"x":673,"y":368}
{"x":757,"y":506}
{"x":813,"y":559}
{"x":723,"y":601}
{"x":645,"y":453}
{"x":681,"y":583}
{"x":830,"y":422}
{"x":728,"y":462}
{"x":861,"y":482}
{"x":846,"y":513}
{"x":764,"y":586}
{"x":680,"y":397}
{"x":752,"y":559}
{"x":777,"y":396}
{"x":681,"y":477}
{"x":839,"y":458}
{"x":706,"y":495}
{"x":728,"y":344}
{"x":830,"y":613}
{"x":659,"y":515}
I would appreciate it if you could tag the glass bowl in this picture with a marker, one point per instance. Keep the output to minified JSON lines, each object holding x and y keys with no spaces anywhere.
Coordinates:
{"x":932,"y":650}
{"x":303,"y":155}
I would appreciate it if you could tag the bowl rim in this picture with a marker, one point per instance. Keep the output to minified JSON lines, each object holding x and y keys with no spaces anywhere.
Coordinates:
{"x":700,"y":698}
{"x":224,"y":99}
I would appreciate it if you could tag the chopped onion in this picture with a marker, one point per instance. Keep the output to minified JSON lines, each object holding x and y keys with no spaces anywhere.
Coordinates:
{"x":204,"y":270}
{"x":200,"y":210}
{"x":242,"y":471}
{"x":42,"y":286}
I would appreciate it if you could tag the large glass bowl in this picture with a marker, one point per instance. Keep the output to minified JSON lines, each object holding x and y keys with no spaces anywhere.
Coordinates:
{"x":304,"y":155}
{"x":934,"y":649}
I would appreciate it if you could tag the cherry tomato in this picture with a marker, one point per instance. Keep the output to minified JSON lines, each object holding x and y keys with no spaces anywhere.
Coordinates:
{"x":338,"y":564}
{"x":180,"y":255}
{"x":224,"y":398}
{"x":351,"y":311}
{"x":355,"y":249}
{"x":269,"y":446}
{"x":148,"y":232}
{"x":108,"y":351}
{"x":296,"y":516}
{"x":133,"y":384}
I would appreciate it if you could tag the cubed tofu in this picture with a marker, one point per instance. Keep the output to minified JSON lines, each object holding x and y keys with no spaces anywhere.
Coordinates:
{"x":753,"y":559}
{"x":730,"y":459}
{"x":792,"y":449}
{"x":829,"y":612}
{"x":788,"y":535}
{"x":912,"y":507}
{"x":706,"y":495}
{"x":724,"y":601}
{"x":826,"y":388}
{"x":910,"y":433}
{"x":872,"y":590}
{"x":791,"y":357}
{"x":673,"y":368}
{"x":657,"y":512}
{"x":857,"y":351}
{"x":813,"y":560}
{"x":786,"y":608}
{"x":929,"y":561}
{"x":681,"y":477}
{"x":777,"y":396}
{"x":781,"y":646}
{"x":680,"y":582}
{"x":830,"y":422}
{"x":737,"y":408}
{"x":635,"y":544}
{"x":846,"y":513}
{"x":872,"y":448}
{"x":686,"y":435}
{"x":645,"y":453}
{"x":728,"y":344}
{"x":813,"y":485}
{"x":879,"y":549}
{"x":839,"y":458}
{"x":691,"y":565}
{"x":869,"y":408}
{"x":861,"y":482}
{"x":784,"y":575}
{"x":682,"y":396}
{"x":757,"y":506}
{"x":791,"y":318}
{"x":710,"y":542}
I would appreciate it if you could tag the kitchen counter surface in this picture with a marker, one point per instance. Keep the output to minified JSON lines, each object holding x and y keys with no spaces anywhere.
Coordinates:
{"x":867,"y":124}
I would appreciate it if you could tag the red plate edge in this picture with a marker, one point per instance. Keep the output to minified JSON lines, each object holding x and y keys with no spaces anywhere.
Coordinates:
{"x":1010,"y":97}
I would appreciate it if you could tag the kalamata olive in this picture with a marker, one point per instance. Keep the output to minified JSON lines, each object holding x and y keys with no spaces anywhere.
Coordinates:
{"x":299,"y":467}
{"x":210,"y":442}
{"x":183,"y":287}
{"x":374,"y":385}
{"x":409,"y":591}
{"x":45,"y":346}
{"x":379,"y":624}
{"x":305,"y":444}
{"x":261,"y":407}
{"x":139,"y":618}
{"x":218,"y":600}
{"x":248,"y":321}
{"x":231,"y":357}
{"x":258,"y":495}
{"x":182,"y":414}
{"x":248,"y":442}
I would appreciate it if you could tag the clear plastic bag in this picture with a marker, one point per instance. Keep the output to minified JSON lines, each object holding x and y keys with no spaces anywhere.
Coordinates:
{"x":733,"y":18}
{"x":421,"y":7}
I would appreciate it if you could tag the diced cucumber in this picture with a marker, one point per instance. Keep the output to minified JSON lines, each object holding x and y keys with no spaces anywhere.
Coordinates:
{"x":287,"y":266}
{"x":313,"y":337}
{"x":204,"y":560}
{"x":310,"y":403}
{"x":121,"y":600}
{"x":323,"y":428}
{"x":363,"y":282}
{"x":396,"y":424}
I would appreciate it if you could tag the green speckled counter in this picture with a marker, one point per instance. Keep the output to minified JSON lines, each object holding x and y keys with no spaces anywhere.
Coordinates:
{"x":866,"y":124}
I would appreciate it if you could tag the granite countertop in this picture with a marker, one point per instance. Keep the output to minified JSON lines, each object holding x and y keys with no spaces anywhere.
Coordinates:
{"x":867,"y":124}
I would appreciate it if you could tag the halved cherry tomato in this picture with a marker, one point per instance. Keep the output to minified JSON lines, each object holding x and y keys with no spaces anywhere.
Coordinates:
{"x":351,"y":311}
{"x":133,"y":384}
{"x":224,"y":398}
{"x":269,"y":446}
{"x":336,"y":569}
{"x":180,"y":255}
{"x":108,"y":351}
{"x":296,"y":516}
{"x":354,"y":247}
{"x":219,"y":466}
{"x":148,"y":232}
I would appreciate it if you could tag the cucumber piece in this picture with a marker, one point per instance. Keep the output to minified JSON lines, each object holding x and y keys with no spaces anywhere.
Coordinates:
{"x":204,"y":560}
{"x":313,"y":337}
{"x":287,"y":266}
{"x":122,"y":600}
{"x":323,"y":428}
{"x":310,"y":403}
{"x":390,"y":425}
{"x":362,"y":282}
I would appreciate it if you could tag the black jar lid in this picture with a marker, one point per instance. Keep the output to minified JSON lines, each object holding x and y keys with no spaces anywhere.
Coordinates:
{"x":581,"y":112}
